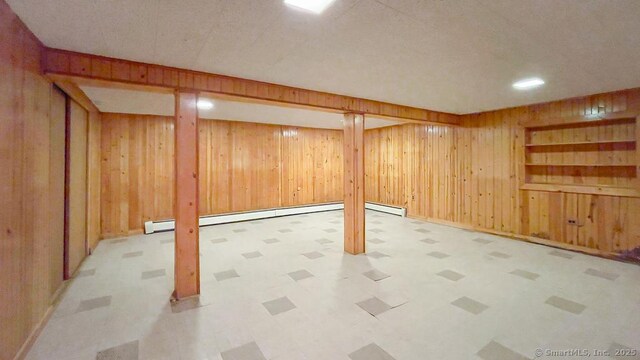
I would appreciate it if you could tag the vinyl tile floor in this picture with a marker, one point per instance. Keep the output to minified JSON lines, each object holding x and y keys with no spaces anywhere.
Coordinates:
{"x":283,"y":288}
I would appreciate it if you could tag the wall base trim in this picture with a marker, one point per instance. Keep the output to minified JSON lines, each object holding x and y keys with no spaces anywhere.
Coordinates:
{"x":167,"y":225}
{"x":529,"y":239}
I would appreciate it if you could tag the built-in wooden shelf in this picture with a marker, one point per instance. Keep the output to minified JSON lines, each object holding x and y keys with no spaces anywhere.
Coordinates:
{"x":586,"y":154}
{"x":583,"y":189}
{"x":583,"y":165}
{"x":581,"y":143}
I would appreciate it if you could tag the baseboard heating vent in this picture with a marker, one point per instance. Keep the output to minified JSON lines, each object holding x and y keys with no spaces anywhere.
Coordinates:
{"x":167,"y":225}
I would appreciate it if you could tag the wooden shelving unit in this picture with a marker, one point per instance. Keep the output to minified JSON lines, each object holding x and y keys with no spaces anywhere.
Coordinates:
{"x":589,"y":157}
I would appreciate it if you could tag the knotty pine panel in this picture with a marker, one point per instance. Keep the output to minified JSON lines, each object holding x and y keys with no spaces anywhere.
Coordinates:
{"x":30,"y":254}
{"x":137,"y":171}
{"x":243,"y":166}
{"x":471,"y":174}
{"x":312,"y":166}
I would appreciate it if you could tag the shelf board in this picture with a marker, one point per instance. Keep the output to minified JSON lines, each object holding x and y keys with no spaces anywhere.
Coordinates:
{"x":582,"y":189}
{"x":583,"y":165}
{"x":584,"y":143}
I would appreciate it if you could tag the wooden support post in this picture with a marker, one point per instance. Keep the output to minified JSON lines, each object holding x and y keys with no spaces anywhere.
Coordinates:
{"x":354,"y":242}
{"x":187,"y":262}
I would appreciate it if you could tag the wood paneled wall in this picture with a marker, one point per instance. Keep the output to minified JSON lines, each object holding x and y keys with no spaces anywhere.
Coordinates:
{"x":137,"y":171}
{"x":412,"y":166}
{"x":243,"y":166}
{"x":471,"y":175}
{"x":32,"y":141}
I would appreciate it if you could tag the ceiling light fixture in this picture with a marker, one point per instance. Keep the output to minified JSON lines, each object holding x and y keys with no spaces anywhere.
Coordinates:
{"x":204,"y":104}
{"x":526,"y":84}
{"x":315,"y":6}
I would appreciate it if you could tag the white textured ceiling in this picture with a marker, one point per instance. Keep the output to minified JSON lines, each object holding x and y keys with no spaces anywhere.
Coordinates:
{"x":150,"y":103}
{"x":458,"y":56}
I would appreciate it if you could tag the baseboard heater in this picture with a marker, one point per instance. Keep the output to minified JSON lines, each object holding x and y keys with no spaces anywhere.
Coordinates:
{"x":167,"y":225}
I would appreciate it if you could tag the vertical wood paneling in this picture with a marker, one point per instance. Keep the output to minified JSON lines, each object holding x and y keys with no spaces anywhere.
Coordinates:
{"x":77,"y":221}
{"x":243,"y":166}
{"x":31,"y":265}
{"x":137,"y":175}
{"x":472,"y":174}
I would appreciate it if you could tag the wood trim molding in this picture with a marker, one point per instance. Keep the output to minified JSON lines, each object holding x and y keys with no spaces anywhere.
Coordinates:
{"x":73,"y":91}
{"x":63,"y":64}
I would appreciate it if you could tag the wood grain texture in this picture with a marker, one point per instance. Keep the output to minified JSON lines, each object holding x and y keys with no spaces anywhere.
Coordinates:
{"x":93,"y":180}
{"x":137,"y":171}
{"x":353,"y":156}
{"x":312,"y":170}
{"x":243,"y":166}
{"x":91,"y":67}
{"x":187,"y":232}
{"x":472,"y":175}
{"x":77,"y":221}
{"x":29,"y":254}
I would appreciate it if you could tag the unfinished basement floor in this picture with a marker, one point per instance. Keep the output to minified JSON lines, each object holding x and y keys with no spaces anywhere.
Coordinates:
{"x":283,"y":289}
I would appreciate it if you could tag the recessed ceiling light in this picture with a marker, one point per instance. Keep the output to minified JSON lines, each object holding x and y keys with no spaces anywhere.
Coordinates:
{"x":204,"y":104}
{"x":526,"y":84}
{"x":315,"y":6}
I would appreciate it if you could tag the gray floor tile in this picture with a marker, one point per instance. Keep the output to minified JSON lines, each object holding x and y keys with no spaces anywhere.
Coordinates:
{"x":285,"y":230}
{"x":438,"y":255}
{"x":225,"y":275}
{"x":374,"y":306}
{"x":249,"y":351}
{"x":417,"y":222}
{"x":300,"y":275}
{"x":499,"y":254}
{"x":323,"y":241}
{"x":424,"y":231}
{"x":561,"y":254}
{"x":377,"y":222}
{"x":377,"y":231}
{"x":313,"y":255}
{"x":117,"y":241}
{"x":95,"y":303}
{"x":85,"y":273}
{"x":296,"y":222}
{"x":370,"y":352}
{"x":470,"y":305}
{"x":239,"y":230}
{"x":278,"y":306}
{"x":429,"y":241}
{"x":483,"y":241}
{"x":377,"y":255}
{"x":375,"y":275}
{"x":218,"y":240}
{"x":252,"y":255}
{"x":620,"y":352}
{"x":167,"y":241}
{"x":271,"y":241}
{"x":375,"y":241}
{"x":153,"y":274}
{"x":525,"y":274}
{"x":565,"y":304}
{"x":132,"y":254}
{"x":451,"y":275}
{"x":186,"y":304}
{"x":330,"y":230}
{"x":497,"y":351}
{"x":601,"y":274}
{"x":336,"y":222}
{"x":128,"y":351}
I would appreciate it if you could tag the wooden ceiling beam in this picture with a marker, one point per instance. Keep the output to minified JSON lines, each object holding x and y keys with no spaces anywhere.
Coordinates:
{"x":62,"y":63}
